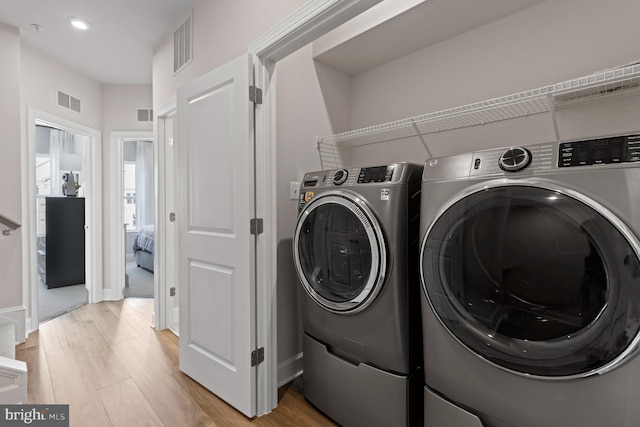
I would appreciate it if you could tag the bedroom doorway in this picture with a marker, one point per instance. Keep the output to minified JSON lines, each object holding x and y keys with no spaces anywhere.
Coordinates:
{"x":60,"y":160}
{"x":138,"y":203}
{"x":132,"y":199}
{"x":90,"y":187}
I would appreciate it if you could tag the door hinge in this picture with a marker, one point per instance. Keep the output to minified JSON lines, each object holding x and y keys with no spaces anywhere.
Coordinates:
{"x":256,"y":226}
{"x":172,"y":292}
{"x":257,"y":356}
{"x":255,"y":95}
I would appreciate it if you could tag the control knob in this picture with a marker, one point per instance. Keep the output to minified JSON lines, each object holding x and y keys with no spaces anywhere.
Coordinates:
{"x":515,"y":159}
{"x":340,"y":176}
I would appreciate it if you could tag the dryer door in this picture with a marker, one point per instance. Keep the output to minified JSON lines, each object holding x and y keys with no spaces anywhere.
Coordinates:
{"x":339,"y":252}
{"x":536,"y":280}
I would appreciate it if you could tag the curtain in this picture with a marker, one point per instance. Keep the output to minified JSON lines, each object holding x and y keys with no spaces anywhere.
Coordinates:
{"x":61,"y":142}
{"x":145,"y":195}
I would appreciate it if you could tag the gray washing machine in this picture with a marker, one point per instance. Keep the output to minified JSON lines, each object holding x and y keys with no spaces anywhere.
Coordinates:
{"x":355,"y":250}
{"x":531,"y":285}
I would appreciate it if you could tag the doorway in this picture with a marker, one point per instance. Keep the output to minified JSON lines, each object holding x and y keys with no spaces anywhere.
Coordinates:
{"x":138,"y":203}
{"x":74,"y":164}
{"x":60,"y":168}
{"x":131,"y":181}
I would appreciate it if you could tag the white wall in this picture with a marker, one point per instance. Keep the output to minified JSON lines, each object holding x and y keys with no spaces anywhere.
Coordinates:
{"x":301,"y":116}
{"x":42,"y":77}
{"x":11,"y":253}
{"x":222,"y":31}
{"x":119,"y":113}
{"x":553,"y":41}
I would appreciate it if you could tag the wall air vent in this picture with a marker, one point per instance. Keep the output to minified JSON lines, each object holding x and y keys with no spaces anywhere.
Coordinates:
{"x":182,"y":47}
{"x":145,"y":114}
{"x":69,"y":102}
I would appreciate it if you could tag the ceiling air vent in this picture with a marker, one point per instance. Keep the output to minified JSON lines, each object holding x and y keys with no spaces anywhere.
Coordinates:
{"x":145,"y":114}
{"x":182,"y":47}
{"x":69,"y":102}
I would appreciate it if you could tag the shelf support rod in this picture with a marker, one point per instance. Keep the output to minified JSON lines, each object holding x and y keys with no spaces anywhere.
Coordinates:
{"x":424,"y":143}
{"x":551,"y":105}
{"x":318,"y":142}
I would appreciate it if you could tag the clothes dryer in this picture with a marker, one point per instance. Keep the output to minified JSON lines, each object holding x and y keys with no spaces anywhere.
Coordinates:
{"x":531,"y":285}
{"x":355,"y":250}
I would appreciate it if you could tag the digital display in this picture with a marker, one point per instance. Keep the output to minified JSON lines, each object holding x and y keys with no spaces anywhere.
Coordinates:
{"x":617,"y":149}
{"x":375,"y":174}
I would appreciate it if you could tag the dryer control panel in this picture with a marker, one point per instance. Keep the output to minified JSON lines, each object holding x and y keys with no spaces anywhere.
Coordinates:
{"x":601,"y":151}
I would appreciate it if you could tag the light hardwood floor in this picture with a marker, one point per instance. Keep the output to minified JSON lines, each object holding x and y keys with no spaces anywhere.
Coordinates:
{"x":113,"y":369}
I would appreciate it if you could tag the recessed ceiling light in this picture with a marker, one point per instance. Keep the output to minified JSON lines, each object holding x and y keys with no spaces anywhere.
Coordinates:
{"x":80,"y":24}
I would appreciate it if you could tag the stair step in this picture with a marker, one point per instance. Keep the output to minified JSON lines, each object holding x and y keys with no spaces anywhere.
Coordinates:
{"x":7,"y":340}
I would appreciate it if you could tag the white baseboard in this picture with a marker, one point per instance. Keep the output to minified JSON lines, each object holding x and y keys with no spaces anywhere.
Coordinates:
{"x":17,"y":315}
{"x":289,"y":369}
{"x":111,"y":295}
{"x":13,"y":381}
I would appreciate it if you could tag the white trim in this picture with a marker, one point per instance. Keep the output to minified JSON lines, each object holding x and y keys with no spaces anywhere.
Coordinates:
{"x":290,"y":369}
{"x":314,"y":19}
{"x":13,"y":381}
{"x":93,"y":248}
{"x":111,"y":295}
{"x":17,"y":315}
{"x":162,"y":251}
{"x":116,"y":240}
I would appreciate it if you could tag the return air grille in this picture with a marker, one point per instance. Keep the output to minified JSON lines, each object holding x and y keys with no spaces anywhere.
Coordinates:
{"x":145,"y":114}
{"x":69,"y":102}
{"x":182,"y":47}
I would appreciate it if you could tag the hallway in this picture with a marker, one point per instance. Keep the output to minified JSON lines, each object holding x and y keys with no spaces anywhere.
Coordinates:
{"x":113,"y":369}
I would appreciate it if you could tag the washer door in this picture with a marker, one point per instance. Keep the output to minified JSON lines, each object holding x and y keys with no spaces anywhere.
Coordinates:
{"x":339,"y":252}
{"x":536,"y":280}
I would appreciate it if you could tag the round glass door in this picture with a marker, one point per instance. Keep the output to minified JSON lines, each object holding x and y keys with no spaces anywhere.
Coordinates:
{"x":534,"y":280}
{"x":339,"y":252}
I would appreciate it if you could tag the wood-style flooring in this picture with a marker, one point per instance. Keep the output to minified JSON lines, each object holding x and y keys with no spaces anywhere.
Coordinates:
{"x":113,"y":369}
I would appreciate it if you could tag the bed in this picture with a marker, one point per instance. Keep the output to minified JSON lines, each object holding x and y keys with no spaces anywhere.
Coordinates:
{"x":143,"y":247}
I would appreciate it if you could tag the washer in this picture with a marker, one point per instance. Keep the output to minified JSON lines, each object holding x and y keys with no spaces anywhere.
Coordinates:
{"x":355,"y":248}
{"x":531,"y":285}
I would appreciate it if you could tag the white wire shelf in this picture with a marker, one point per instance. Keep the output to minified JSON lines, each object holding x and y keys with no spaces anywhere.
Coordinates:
{"x":614,"y":82}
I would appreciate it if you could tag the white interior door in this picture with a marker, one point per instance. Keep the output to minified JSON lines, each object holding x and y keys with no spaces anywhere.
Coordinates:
{"x":216,"y":248}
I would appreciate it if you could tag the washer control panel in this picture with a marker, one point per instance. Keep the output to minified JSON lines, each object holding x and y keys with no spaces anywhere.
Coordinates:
{"x":376,"y":174}
{"x":336,"y":178}
{"x":601,"y":151}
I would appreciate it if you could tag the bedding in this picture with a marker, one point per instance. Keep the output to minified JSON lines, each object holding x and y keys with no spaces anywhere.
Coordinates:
{"x":143,"y":247}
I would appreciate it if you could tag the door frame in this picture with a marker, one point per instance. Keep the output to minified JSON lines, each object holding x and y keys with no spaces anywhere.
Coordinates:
{"x":116,"y":239}
{"x":164,"y":253}
{"x":93,"y":239}
{"x":312,"y":20}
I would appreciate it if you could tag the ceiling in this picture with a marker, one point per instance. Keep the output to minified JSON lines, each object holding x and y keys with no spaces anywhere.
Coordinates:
{"x":117,"y":49}
{"x":394,"y":33}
